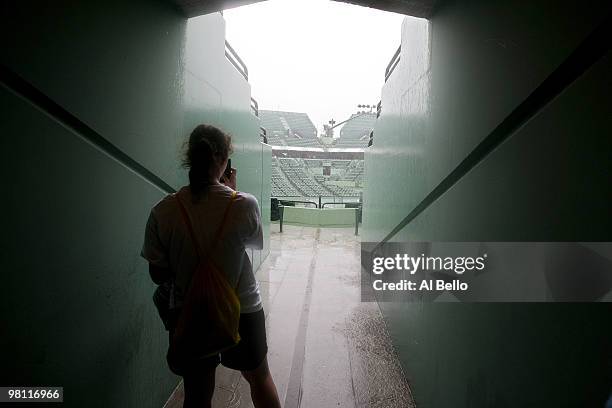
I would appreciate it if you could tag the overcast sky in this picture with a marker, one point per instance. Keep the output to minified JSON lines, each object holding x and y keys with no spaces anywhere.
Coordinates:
{"x":315,"y":56}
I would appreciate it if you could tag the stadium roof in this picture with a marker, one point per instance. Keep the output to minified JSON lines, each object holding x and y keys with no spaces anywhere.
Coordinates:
{"x":289,"y":128}
{"x":356,"y":132}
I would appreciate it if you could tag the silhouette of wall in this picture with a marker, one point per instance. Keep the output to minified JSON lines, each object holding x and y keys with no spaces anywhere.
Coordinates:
{"x":86,"y":152}
{"x":460,"y":75}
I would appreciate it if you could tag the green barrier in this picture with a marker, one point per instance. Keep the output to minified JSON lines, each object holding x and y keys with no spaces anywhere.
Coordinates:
{"x":315,"y":217}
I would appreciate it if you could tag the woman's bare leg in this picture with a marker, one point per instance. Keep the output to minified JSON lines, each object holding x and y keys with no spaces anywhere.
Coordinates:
{"x":199,"y":389}
{"x":263,"y":390}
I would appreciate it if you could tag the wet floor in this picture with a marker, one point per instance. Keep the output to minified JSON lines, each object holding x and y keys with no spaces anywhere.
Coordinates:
{"x":326,"y":348}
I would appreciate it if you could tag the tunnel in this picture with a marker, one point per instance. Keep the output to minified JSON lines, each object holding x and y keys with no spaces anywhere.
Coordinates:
{"x":494,"y":125}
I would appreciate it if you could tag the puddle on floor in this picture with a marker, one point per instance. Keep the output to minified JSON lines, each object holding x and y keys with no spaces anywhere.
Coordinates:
{"x":378,"y":379}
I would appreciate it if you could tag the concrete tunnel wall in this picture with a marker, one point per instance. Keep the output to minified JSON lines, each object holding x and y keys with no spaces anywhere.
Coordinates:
{"x":459,"y":76}
{"x":76,"y":296}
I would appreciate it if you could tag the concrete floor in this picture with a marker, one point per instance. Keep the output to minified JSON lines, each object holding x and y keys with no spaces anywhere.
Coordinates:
{"x":326,"y":348}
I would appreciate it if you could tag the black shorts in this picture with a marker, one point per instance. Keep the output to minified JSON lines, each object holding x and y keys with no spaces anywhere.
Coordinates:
{"x":250,"y":351}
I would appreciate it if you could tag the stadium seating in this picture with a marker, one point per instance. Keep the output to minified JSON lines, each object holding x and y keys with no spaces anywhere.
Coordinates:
{"x":296,"y":129}
{"x":281,"y":187}
{"x":293,"y":177}
{"x":296,"y":172}
{"x":289,"y":129}
{"x":356,"y":132}
{"x":304,"y":178}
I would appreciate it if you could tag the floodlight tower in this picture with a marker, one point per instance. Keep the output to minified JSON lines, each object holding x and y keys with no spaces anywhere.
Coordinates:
{"x":329,"y":129}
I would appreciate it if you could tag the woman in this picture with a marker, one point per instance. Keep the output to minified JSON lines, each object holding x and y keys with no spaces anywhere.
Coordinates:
{"x":172,"y":257}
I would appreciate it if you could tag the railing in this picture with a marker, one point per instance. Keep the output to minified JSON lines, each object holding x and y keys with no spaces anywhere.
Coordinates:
{"x":254,"y":107}
{"x":298,"y":202}
{"x":354,"y":200}
{"x":378,"y":109}
{"x":339,"y":199}
{"x":233,"y":57}
{"x":393,"y":63}
{"x":344,"y":205}
{"x":263,"y":135}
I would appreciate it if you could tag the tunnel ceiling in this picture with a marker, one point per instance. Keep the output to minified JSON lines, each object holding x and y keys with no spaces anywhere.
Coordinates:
{"x":416,"y":8}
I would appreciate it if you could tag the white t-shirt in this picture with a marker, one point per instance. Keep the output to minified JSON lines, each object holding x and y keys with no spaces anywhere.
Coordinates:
{"x":169,"y":245}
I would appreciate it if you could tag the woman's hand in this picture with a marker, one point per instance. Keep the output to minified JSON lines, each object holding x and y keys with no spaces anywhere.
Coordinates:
{"x":231,"y":182}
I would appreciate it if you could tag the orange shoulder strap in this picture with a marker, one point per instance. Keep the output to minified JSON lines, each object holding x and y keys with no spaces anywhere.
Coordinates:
{"x":220,"y":230}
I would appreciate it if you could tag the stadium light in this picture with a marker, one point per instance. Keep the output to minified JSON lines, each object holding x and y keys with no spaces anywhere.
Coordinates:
{"x":364,"y":106}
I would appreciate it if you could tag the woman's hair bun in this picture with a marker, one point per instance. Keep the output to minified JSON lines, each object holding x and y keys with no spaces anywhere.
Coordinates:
{"x":205,"y":142}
